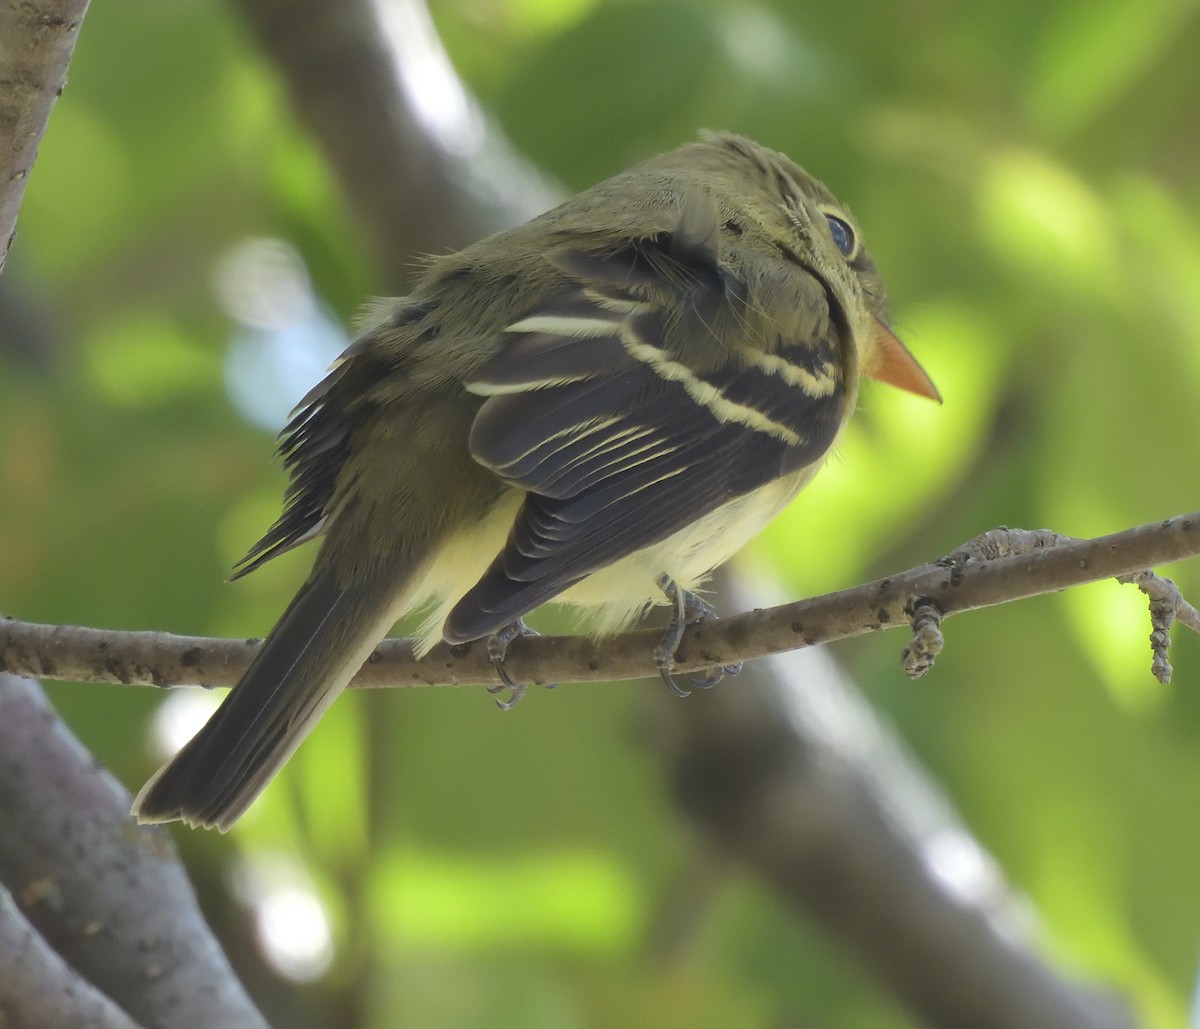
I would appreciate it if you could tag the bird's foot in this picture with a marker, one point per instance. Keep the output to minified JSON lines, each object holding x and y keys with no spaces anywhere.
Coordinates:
{"x":688,"y":609}
{"x":497,"y":646}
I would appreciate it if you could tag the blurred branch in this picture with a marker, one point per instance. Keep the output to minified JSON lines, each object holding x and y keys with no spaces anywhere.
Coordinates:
{"x":38,"y":40}
{"x":996,"y":568}
{"x":98,"y":924}
{"x":38,"y":988}
{"x":110,"y":897}
{"x":418,"y":166}
{"x":792,"y":774}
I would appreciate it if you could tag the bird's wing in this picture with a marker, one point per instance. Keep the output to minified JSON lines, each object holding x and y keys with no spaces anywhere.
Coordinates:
{"x":317,"y":440}
{"x":618,"y":437}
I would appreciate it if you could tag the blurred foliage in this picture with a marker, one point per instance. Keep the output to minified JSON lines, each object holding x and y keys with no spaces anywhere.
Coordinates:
{"x":1028,"y":175}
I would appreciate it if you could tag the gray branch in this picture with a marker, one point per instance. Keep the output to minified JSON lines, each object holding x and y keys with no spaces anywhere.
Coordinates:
{"x":973,"y":577}
{"x":38,"y":988}
{"x":111,"y":898}
{"x":419,"y":166}
{"x":36,"y":43}
{"x":790,"y":772}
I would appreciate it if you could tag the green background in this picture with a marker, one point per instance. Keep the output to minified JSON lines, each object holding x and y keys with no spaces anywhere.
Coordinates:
{"x":1028,"y":179}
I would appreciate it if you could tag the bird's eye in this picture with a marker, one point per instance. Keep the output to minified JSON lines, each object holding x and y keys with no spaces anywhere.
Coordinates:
{"x":843,"y":235}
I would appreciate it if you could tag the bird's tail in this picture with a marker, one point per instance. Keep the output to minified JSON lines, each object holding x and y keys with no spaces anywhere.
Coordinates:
{"x":321,"y":641}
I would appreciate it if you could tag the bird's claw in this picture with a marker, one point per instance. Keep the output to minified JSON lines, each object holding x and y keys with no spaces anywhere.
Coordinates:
{"x":497,"y":647}
{"x":688,"y":610}
{"x":715,"y":675}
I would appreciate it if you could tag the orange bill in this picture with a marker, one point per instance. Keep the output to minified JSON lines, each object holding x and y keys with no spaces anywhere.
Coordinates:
{"x":892,"y":363}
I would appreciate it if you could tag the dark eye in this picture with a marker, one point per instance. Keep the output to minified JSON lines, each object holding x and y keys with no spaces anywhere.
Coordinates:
{"x":843,"y":235}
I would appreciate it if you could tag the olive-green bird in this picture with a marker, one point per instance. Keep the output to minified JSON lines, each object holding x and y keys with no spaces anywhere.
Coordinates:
{"x":597,"y":407}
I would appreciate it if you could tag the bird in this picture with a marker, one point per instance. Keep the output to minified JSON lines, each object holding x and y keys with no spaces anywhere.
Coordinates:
{"x":597,"y":407}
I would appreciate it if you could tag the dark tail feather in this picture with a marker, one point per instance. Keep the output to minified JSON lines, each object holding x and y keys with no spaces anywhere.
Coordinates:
{"x":323,"y":638}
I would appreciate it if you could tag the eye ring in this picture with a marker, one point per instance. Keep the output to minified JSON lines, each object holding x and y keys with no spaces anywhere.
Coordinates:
{"x":844,"y":237}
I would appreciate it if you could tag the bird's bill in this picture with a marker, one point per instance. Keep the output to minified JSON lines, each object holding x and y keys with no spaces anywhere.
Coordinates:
{"x":894,"y":364}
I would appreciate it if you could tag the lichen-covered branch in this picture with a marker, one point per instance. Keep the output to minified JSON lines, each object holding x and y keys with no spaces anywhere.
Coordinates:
{"x":1167,"y":606}
{"x":1167,"y":603}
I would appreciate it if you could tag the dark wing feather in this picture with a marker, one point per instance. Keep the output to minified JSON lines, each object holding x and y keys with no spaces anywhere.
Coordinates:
{"x":617,"y":442}
{"x":314,"y":446}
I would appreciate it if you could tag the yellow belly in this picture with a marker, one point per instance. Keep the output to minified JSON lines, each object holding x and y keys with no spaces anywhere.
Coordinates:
{"x":613,"y":597}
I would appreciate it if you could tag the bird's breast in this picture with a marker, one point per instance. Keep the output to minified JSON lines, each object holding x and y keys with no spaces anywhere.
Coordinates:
{"x":616,"y":596}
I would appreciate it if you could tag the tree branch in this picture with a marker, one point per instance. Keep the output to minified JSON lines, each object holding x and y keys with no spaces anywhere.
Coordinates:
{"x":38,"y":988}
{"x":109,"y":897}
{"x":418,"y":165}
{"x":36,"y":43}
{"x":975,"y":576}
{"x":791,"y":774}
